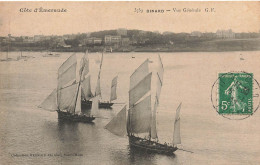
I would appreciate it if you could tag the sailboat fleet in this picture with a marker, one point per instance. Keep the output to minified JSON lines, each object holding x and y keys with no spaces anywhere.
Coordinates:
{"x":137,"y":120}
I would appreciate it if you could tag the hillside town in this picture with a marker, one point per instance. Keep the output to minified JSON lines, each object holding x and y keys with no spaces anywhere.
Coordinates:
{"x":123,"y":40}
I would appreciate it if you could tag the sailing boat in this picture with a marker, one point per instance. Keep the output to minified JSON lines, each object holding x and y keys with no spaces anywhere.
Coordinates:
{"x":86,"y":85}
{"x":66,"y":99}
{"x":141,"y":118}
{"x":50,"y":54}
{"x":22,"y":57}
{"x":86,"y":103}
{"x":7,"y":53}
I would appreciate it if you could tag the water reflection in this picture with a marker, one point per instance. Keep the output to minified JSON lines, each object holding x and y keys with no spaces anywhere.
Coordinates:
{"x":71,"y":144}
{"x":67,"y":131}
{"x":137,"y":156}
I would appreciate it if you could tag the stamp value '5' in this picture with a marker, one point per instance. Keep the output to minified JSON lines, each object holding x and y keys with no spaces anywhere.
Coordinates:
{"x":236,"y":93}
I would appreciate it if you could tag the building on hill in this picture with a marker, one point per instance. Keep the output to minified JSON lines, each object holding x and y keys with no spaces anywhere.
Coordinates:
{"x":93,"y":41}
{"x":111,"y":40}
{"x":225,"y":34}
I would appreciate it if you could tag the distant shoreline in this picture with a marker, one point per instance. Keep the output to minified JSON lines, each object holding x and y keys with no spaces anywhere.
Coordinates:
{"x":205,"y":46}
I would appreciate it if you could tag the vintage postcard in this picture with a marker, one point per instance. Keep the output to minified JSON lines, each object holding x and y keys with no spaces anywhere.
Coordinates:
{"x":124,"y":83}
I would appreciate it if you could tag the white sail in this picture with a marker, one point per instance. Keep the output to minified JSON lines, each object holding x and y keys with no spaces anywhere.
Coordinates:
{"x":160,"y":69}
{"x":118,"y":124}
{"x":67,"y":77}
{"x":86,"y":88}
{"x":140,"y":90}
{"x":159,"y":79}
{"x":113,"y":95}
{"x":67,"y":98}
{"x":176,"y":132}
{"x":139,"y":74}
{"x":98,"y":89}
{"x":78,"y":103}
{"x":94,"y":108}
{"x":67,"y":72}
{"x":140,"y":116}
{"x":66,"y":93}
{"x":84,"y":67}
{"x":153,"y":122}
{"x":50,"y":103}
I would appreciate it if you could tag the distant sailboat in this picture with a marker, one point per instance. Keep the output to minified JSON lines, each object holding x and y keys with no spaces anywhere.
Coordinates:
{"x":22,"y":57}
{"x":241,"y":57}
{"x":7,"y":58}
{"x":50,"y":55}
{"x":66,"y":100}
{"x":102,"y":104}
{"x":86,"y":85}
{"x":7,"y":53}
{"x":141,"y":117}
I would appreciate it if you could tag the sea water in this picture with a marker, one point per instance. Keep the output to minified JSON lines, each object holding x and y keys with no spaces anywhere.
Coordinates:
{"x":30,"y":135}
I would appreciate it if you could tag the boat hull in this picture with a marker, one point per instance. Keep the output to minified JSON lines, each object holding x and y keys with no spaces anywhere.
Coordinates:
{"x":56,"y":55}
{"x":106,"y":105}
{"x":74,"y":117}
{"x":150,"y":146}
{"x":88,"y":104}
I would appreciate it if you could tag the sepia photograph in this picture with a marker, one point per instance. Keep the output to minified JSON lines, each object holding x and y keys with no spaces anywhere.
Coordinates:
{"x":129,"y":83}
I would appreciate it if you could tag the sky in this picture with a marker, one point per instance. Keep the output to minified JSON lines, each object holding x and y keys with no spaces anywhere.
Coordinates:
{"x":83,"y":17}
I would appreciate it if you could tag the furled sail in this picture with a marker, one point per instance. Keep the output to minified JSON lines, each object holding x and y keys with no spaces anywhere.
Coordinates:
{"x":113,"y":95}
{"x":140,"y":90}
{"x":50,"y":103}
{"x":176,"y":132}
{"x":67,"y":98}
{"x":139,"y":74}
{"x":98,"y":90}
{"x":86,"y":88}
{"x":118,"y":124}
{"x":140,"y":116}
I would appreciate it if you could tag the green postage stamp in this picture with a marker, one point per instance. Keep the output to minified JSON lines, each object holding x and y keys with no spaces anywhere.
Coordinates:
{"x":235,"y":93}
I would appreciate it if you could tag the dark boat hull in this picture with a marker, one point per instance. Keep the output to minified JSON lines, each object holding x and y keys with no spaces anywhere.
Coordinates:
{"x":150,"y":146}
{"x":88,"y":104}
{"x":74,"y":117}
{"x":106,"y":105}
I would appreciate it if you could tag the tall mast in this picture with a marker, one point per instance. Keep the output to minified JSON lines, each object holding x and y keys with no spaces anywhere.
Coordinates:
{"x":80,"y":73}
{"x":98,"y":90}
